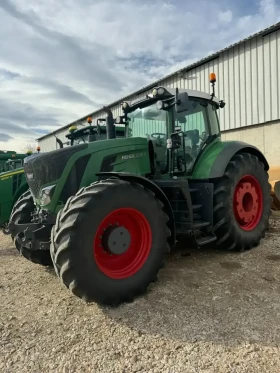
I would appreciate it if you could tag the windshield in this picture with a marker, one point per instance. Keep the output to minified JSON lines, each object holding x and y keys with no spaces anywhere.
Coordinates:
{"x":151,"y":123}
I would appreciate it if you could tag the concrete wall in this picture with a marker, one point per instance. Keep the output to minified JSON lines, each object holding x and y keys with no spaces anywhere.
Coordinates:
{"x":265,"y":137}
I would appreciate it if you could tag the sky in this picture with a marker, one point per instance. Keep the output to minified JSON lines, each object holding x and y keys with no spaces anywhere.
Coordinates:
{"x":60,"y":60}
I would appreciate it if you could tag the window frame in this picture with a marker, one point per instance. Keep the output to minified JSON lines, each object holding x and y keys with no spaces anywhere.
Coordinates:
{"x":208,"y":127}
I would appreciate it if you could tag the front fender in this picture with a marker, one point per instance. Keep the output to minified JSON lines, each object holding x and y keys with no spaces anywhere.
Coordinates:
{"x":148,"y":184}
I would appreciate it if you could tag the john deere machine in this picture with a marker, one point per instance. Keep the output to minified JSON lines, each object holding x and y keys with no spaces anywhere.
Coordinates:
{"x":107,"y":212}
{"x":10,"y":160}
{"x":12,"y":184}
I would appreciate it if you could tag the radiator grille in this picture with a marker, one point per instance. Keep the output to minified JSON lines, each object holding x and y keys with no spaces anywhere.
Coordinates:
{"x":48,"y":167}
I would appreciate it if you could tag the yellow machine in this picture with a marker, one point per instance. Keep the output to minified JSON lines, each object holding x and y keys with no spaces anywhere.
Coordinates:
{"x":274,"y":179}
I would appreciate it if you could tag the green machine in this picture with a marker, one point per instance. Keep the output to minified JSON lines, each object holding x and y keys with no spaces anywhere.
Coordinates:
{"x":105,"y":213}
{"x":10,"y":160}
{"x":12,"y":184}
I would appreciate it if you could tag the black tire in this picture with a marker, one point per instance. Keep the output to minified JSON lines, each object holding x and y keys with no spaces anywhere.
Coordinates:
{"x":5,"y":229}
{"x":231,"y":232}
{"x":21,"y":214}
{"x":77,"y":228}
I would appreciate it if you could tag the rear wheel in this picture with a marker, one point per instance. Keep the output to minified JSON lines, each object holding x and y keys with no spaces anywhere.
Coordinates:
{"x":21,"y":214}
{"x":242,"y":204}
{"x":109,"y":241}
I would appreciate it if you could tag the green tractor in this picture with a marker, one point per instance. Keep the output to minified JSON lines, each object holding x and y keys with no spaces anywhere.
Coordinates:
{"x":108,"y":211}
{"x":12,"y":184}
{"x":20,"y":191}
{"x":12,"y":178}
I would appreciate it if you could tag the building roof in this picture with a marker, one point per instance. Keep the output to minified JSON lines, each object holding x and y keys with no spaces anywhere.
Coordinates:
{"x":198,"y":63}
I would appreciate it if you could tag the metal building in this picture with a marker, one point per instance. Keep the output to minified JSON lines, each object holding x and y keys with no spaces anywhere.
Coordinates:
{"x":248,"y":75}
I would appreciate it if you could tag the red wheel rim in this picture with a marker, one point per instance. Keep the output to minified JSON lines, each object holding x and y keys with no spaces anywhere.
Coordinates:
{"x":120,"y":266}
{"x":248,"y":202}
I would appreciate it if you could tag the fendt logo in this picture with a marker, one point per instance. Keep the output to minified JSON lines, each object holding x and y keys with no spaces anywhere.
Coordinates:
{"x":133,"y":155}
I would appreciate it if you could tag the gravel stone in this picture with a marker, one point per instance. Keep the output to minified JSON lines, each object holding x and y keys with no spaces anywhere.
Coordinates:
{"x":210,"y":312}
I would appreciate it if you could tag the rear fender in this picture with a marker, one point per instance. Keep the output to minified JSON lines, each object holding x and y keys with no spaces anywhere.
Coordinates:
{"x":220,"y":164}
{"x":148,"y":184}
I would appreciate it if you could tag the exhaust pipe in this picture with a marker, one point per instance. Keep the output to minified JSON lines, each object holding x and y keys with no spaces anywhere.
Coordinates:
{"x":110,"y":127}
{"x":59,"y":142}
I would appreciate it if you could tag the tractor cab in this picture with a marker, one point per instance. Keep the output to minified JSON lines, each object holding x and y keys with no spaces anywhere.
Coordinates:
{"x":179,"y":125}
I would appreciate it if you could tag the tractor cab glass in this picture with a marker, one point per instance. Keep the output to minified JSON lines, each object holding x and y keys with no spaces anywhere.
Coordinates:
{"x":91,"y":133}
{"x":197,"y":126}
{"x":151,"y":123}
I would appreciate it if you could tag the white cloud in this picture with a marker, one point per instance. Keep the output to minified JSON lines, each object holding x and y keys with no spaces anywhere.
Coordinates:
{"x":225,"y":17}
{"x":63,"y":59}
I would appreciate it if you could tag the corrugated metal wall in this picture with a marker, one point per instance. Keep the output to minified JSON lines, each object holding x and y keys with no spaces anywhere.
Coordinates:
{"x":247,"y":80}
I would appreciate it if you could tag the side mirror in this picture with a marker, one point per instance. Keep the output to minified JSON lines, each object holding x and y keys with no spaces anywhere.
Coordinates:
{"x":101,"y":121}
{"x":182,"y":102}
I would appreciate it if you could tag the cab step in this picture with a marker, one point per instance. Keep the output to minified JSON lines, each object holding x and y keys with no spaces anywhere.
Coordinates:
{"x":205,"y":240}
{"x":201,"y":224}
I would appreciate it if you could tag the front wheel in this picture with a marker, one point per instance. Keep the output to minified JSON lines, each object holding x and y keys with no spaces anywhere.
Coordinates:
{"x":109,"y":241}
{"x":21,"y":214}
{"x":242,"y":204}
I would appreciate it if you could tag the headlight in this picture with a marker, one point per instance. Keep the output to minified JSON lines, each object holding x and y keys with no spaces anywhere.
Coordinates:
{"x":160,"y":105}
{"x":46,"y":195}
{"x":160,"y":91}
{"x":29,"y":176}
{"x":125,"y":105}
{"x":154,"y":92}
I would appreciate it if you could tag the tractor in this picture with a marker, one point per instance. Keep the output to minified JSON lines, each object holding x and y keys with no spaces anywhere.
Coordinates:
{"x":20,"y":189}
{"x":12,"y":184}
{"x":107,"y":212}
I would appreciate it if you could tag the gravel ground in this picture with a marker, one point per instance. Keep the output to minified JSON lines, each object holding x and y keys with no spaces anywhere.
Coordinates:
{"x":209,"y":312}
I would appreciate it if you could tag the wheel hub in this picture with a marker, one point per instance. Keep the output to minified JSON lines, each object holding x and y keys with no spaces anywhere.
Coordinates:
{"x":247,"y":202}
{"x":122,"y":243}
{"x":116,"y":240}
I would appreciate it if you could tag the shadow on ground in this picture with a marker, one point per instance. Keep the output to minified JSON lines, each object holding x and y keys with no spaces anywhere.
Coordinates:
{"x":212,"y":296}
